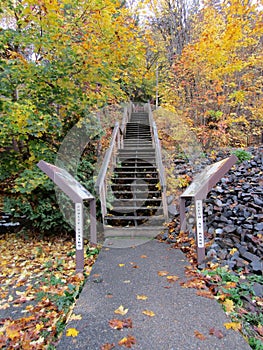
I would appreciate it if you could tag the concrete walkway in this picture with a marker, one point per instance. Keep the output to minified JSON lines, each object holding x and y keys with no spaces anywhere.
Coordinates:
{"x":180,"y":316}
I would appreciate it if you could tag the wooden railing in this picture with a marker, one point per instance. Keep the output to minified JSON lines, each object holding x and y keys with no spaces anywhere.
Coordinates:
{"x":109,"y":161}
{"x":158,"y":155}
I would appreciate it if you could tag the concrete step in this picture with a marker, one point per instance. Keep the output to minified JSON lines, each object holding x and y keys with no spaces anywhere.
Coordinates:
{"x":140,"y":231}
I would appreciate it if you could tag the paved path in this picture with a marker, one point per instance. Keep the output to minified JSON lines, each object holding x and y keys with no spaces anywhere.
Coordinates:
{"x":118,"y":276}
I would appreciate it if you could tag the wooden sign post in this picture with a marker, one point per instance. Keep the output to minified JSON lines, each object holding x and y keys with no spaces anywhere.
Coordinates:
{"x":77,"y":193}
{"x":198,"y":190}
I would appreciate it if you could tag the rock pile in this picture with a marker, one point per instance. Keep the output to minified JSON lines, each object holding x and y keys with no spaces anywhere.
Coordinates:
{"x":233,"y":214}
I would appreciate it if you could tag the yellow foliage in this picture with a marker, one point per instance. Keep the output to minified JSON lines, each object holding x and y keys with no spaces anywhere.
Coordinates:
{"x":236,"y":326}
{"x":72,"y":332}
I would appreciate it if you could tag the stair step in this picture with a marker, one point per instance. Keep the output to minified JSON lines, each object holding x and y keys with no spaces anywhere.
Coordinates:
{"x":134,"y":154}
{"x":130,"y":170}
{"x":140,"y":192}
{"x":143,"y":200}
{"x":134,"y":218}
{"x":144,"y":210}
{"x":143,"y":167}
{"x":134,"y":178}
{"x":124,"y":174}
{"x":139,"y":150}
{"x":140,"y":231}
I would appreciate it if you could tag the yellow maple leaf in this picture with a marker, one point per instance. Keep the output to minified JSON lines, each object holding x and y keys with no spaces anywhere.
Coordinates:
{"x":141,"y":297}
{"x":121,"y":265}
{"x":72,"y":332}
{"x":229,"y":305}
{"x":232,"y":251}
{"x":233,"y":325}
{"x":148,"y":313}
{"x":121,"y":310}
{"x":163,"y":273}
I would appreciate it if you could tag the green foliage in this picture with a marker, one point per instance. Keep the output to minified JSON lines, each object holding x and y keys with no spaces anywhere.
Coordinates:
{"x":239,"y":288}
{"x":256,"y":344}
{"x":242,"y":155}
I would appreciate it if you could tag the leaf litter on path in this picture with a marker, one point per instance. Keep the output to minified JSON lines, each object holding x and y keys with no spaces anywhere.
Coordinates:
{"x":38,"y":288}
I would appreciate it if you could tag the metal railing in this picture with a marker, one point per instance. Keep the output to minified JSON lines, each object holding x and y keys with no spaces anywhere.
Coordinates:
{"x":109,"y":161}
{"x":158,"y":155}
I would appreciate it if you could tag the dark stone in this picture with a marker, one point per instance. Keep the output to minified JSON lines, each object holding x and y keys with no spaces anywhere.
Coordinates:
{"x":241,"y":262}
{"x":248,"y":226}
{"x":249,"y":256}
{"x":229,"y":228}
{"x":259,"y":226}
{"x":257,"y":266}
{"x":258,"y":289}
{"x":258,"y":201}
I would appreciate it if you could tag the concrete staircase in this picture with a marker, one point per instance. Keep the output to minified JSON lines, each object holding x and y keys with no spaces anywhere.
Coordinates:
{"x":135,"y":203}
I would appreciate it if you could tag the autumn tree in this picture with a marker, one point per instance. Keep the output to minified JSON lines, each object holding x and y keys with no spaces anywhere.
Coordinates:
{"x":216,"y":81}
{"x":59,"y":60}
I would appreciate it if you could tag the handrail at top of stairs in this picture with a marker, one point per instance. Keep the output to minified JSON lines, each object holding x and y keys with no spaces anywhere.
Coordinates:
{"x":159,"y":162}
{"x":109,"y":160}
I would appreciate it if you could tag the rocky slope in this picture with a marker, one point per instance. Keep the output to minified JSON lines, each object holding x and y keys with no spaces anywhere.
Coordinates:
{"x":233,"y":215}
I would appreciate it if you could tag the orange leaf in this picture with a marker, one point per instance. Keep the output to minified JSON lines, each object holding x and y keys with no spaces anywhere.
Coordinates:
{"x":144,"y":256}
{"x":199,"y":335}
{"x":141,"y":297}
{"x":205,"y":293}
{"x":193,"y":283}
{"x":120,"y":324}
{"x":107,"y":346}
{"x":127,"y":341}
{"x":172,"y":279}
{"x":216,"y":332}
{"x":163,"y":273}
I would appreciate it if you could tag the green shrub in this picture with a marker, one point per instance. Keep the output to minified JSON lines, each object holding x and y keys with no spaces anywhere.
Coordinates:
{"x":242,"y":155}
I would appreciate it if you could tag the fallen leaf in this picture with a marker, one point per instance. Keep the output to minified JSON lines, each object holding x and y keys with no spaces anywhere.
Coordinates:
{"x":172,"y":279}
{"x":72,"y":332}
{"x":193,"y":283}
{"x":144,"y":256}
{"x":141,"y":297}
{"x":107,"y":346}
{"x":121,"y":310}
{"x":233,"y":325}
{"x":216,"y":332}
{"x":127,"y":341}
{"x":4,"y":306}
{"x":205,"y":293}
{"x":163,"y":273}
{"x":232,"y":251}
{"x":199,"y":335}
{"x":229,"y":305}
{"x":259,"y":329}
{"x":121,"y":265}
{"x":120,"y":324}
{"x":148,"y":313}
{"x":12,"y":331}
{"x":74,"y":317}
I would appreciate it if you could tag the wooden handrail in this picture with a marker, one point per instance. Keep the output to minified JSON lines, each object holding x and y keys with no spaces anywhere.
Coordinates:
{"x":159,"y":162}
{"x":109,"y":161}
